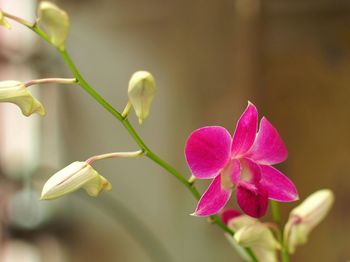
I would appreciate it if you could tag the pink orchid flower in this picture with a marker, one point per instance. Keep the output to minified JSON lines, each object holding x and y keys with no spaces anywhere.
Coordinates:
{"x":242,"y":162}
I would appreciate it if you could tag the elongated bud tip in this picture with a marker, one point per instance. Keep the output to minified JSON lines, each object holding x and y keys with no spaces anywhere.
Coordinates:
{"x":306,"y":216}
{"x":54,"y":22}
{"x":141,"y":91}
{"x":3,"y":21}
{"x":15,"y":92}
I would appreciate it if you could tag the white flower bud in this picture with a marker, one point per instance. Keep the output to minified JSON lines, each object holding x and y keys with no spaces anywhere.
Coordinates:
{"x":54,"y":22}
{"x":71,"y":178}
{"x":141,"y":91}
{"x":16,"y":92}
{"x":305,"y":217}
{"x":252,"y":233}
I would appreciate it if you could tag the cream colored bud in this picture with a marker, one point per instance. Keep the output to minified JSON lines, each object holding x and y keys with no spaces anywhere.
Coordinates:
{"x":3,"y":21}
{"x":54,"y":22}
{"x":141,"y":91}
{"x":306,"y":216}
{"x":71,"y":178}
{"x":15,"y":92}
{"x":256,"y":235}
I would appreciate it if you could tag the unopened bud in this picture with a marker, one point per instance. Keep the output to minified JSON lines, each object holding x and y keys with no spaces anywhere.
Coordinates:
{"x":257,"y":235}
{"x":71,"y":178}
{"x":54,"y":22}
{"x":16,"y":92}
{"x":250,"y":232}
{"x":141,"y":91}
{"x":305,"y":217}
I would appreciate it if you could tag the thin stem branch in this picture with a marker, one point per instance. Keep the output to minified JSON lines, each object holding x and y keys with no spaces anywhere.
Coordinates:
{"x":92,"y":159}
{"x":126,"y":110}
{"x":149,"y":153}
{"x":18,"y":19}
{"x":65,"y":81}
{"x":276,"y":212}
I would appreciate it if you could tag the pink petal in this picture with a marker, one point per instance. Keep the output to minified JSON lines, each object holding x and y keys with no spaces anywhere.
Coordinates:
{"x":268,"y":148}
{"x":213,"y":200}
{"x":207,"y":151}
{"x":228,"y":214}
{"x":252,"y":199}
{"x":245,"y":132}
{"x":278,"y":186}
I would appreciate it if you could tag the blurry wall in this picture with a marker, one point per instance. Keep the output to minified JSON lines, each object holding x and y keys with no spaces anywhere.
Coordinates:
{"x":209,"y":57}
{"x":305,"y":89}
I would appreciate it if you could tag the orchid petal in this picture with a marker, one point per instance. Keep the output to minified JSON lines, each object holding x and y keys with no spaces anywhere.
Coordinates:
{"x":245,"y":132}
{"x":213,"y":200}
{"x":252,"y":199}
{"x":278,"y":186}
{"x":207,"y":151}
{"x":95,"y":186}
{"x":268,"y":148}
{"x":229,"y":214}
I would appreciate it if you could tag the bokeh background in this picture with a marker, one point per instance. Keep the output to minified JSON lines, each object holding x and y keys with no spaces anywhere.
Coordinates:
{"x":291,"y":58}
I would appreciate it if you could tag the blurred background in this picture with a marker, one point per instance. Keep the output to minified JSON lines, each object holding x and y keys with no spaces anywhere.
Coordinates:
{"x":290,"y":57}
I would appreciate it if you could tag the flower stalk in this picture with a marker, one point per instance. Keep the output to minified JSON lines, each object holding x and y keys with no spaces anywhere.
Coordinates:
{"x":65,"y":81}
{"x":18,"y":20}
{"x":147,"y":151}
{"x":276,"y":215}
{"x":114,"y":155}
{"x":126,"y":110}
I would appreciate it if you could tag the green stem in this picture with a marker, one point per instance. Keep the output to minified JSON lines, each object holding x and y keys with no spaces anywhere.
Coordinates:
{"x":148,"y":152}
{"x":276,"y":214}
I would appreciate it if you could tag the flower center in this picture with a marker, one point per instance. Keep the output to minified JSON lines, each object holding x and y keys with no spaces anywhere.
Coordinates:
{"x":246,"y":173}
{"x":226,"y":175}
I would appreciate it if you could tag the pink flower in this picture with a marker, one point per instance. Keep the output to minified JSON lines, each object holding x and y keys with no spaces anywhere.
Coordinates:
{"x":242,"y":162}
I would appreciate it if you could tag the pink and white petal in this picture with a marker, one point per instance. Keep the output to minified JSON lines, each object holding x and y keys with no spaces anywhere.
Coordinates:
{"x":230,"y":175}
{"x":252,"y":199}
{"x":250,"y":171}
{"x":268,"y":148}
{"x":278,"y":186}
{"x":207,"y":151}
{"x":245,"y":132}
{"x":229,"y":214}
{"x":213,"y":200}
